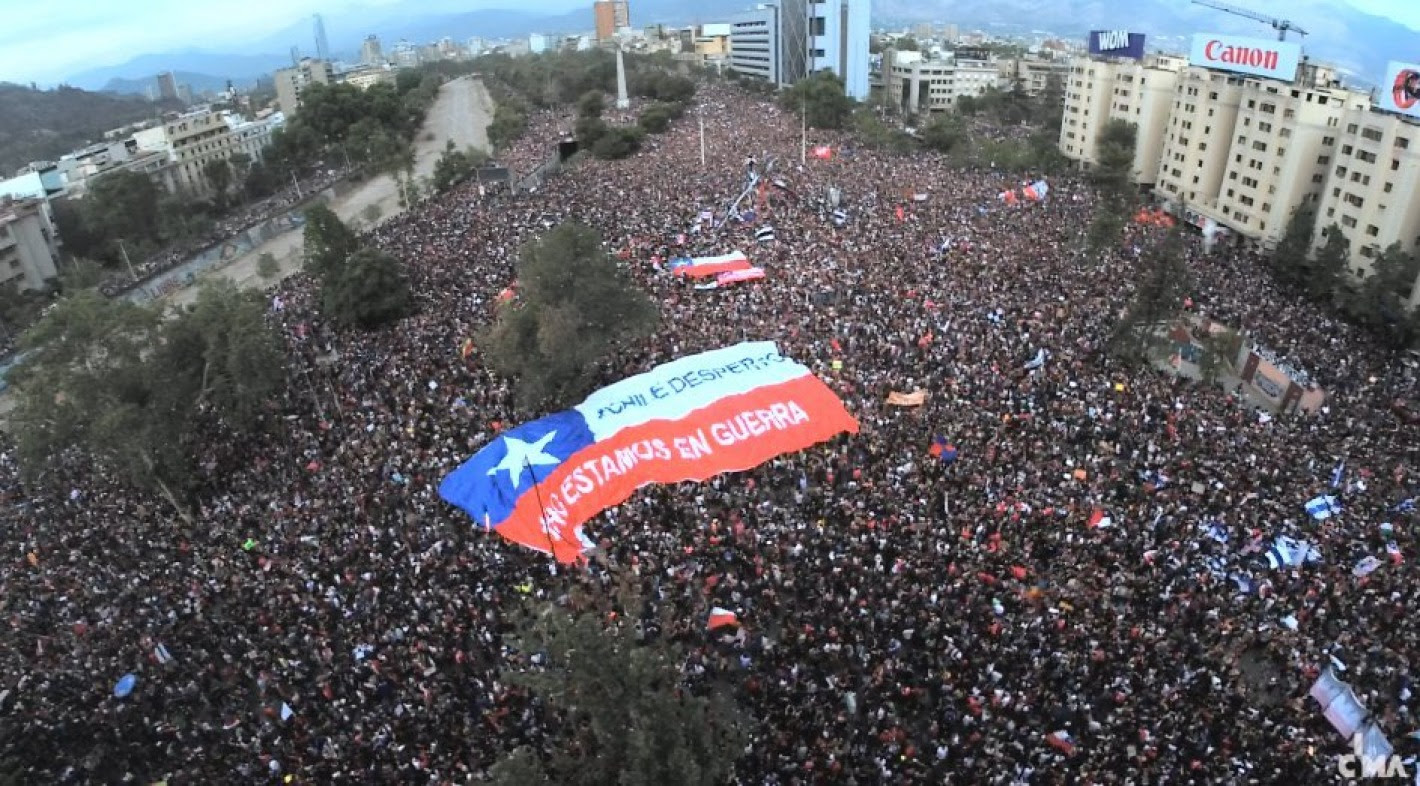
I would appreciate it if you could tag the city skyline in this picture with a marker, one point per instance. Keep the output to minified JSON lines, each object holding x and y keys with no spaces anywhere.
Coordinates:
{"x":48,"y":43}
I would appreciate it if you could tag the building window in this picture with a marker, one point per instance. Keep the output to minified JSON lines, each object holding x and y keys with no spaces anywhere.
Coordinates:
{"x":1316,"y":178}
{"x":1402,"y":143}
{"x":1346,"y":150}
{"x":816,"y":26}
{"x":1373,"y":230}
{"x":1351,"y":129}
{"x":1389,"y":187}
{"x":1348,"y":222}
{"x":1259,"y":145}
{"x":1328,"y":140}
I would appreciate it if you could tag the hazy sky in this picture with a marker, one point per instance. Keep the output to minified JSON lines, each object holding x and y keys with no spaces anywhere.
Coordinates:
{"x":47,"y":40}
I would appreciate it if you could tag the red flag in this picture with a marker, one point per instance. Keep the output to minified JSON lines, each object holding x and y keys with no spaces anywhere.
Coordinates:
{"x":901,"y":214}
{"x":822,"y":152}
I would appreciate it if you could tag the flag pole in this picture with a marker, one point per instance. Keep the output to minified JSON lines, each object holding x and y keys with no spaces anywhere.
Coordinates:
{"x":804,"y":132}
{"x":701,"y":115}
{"x":551,"y":550}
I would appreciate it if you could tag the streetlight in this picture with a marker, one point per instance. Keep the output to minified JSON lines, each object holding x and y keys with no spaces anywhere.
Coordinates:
{"x":127,"y":261}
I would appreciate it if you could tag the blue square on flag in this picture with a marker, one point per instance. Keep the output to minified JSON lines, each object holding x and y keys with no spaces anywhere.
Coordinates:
{"x":489,"y":485}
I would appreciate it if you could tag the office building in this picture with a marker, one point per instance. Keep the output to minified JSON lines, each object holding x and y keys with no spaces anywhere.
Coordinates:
{"x":167,"y":86}
{"x":322,"y":43}
{"x":1372,"y":190}
{"x":1245,"y":151}
{"x":770,"y":42}
{"x":405,"y":54}
{"x":28,"y":246}
{"x":610,"y":16}
{"x":370,"y":53}
{"x":291,"y":82}
{"x":921,"y":86}
{"x":838,"y":34}
{"x":1141,"y":92}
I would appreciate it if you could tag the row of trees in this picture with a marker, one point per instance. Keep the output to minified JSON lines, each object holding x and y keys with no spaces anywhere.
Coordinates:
{"x":131,"y":385}
{"x":1376,"y":301}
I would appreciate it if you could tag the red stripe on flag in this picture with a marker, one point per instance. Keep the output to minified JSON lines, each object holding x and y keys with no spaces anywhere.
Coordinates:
{"x":734,"y":433}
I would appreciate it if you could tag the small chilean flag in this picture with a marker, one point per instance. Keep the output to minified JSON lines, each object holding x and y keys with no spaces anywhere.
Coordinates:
{"x":1061,"y":741}
{"x":1099,"y":519}
{"x":722,"y":618}
{"x":700,"y":267}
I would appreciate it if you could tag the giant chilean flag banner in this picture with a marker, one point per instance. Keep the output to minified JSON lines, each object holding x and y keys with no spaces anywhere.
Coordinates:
{"x":691,"y":419}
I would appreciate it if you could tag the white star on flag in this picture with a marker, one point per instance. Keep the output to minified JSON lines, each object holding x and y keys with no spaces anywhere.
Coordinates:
{"x":522,"y":455}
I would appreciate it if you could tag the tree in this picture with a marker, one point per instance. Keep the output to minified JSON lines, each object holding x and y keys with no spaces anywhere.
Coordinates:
{"x":223,"y":351}
{"x":906,"y":44}
{"x":657,"y":117}
{"x":115,"y":380}
{"x":618,"y":142}
{"x":575,"y":308}
{"x":218,"y":174}
{"x":365,"y":290}
{"x":1380,"y":300}
{"x":591,"y":104}
{"x":1291,"y":259}
{"x":628,"y":716}
{"x":1158,"y":298}
{"x":122,"y":205}
{"x":945,"y":133}
{"x":821,"y":98}
{"x":328,"y":242}
{"x":451,"y":167}
{"x":1104,"y":229}
{"x":267,"y":266}
{"x":1324,"y":275}
{"x":1113,"y":172}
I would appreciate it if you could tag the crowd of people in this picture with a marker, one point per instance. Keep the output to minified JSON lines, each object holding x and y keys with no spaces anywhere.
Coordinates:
{"x":326,"y":618}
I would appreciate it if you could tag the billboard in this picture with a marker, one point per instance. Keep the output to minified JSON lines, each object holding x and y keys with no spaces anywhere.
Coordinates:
{"x":1117,"y":43}
{"x":1400,"y":92}
{"x":1255,"y":56}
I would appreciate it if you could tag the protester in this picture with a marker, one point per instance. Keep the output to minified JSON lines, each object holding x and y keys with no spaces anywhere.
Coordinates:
{"x":906,"y":619}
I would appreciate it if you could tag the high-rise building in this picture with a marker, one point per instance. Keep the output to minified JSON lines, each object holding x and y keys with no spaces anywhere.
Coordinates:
{"x":1372,"y":190}
{"x":838,"y":34}
{"x":291,"y":82}
{"x":370,"y":53}
{"x":1245,"y":151}
{"x":1141,"y":92}
{"x":771,"y":42}
{"x":322,"y":43}
{"x":610,"y":16}
{"x":167,"y":86}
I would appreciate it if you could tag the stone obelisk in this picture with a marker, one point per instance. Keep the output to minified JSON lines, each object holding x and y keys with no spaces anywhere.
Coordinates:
{"x":622,"y":102}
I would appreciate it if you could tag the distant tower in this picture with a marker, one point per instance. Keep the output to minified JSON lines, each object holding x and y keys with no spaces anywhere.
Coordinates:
{"x":370,"y":53}
{"x":295,"y":56}
{"x":622,"y":102}
{"x":322,"y":44}
{"x":167,"y":86}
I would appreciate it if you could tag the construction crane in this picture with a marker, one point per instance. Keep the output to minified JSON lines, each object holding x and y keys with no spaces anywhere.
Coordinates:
{"x":1280,"y":25}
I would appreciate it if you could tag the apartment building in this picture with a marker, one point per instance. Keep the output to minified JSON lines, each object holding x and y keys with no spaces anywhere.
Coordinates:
{"x":1098,"y":90}
{"x":291,"y":82}
{"x":609,"y":17}
{"x":1372,"y":189}
{"x":190,"y":140}
{"x":1246,"y":151}
{"x":28,"y":248}
{"x":1033,"y":74}
{"x":922,"y":86}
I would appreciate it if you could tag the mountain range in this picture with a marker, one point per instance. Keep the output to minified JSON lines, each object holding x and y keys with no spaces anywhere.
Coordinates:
{"x":1358,"y":42}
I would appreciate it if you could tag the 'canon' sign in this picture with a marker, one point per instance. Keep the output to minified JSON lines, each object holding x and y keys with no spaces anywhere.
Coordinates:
{"x":1255,"y":56}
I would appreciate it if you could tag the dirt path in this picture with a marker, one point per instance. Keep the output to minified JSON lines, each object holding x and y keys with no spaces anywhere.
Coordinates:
{"x":462,"y":113}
